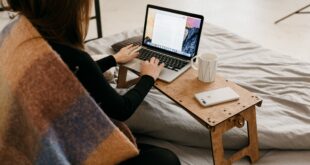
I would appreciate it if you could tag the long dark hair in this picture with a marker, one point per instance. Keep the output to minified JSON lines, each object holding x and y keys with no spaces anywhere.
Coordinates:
{"x":60,"y":21}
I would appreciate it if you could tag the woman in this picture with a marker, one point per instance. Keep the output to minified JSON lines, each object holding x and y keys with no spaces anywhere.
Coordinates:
{"x":64,"y":24}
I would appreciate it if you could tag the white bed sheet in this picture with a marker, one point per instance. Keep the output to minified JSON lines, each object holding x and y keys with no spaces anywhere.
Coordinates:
{"x":283,"y":120}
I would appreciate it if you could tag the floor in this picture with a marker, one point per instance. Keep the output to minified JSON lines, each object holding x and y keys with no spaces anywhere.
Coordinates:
{"x":251,"y":19}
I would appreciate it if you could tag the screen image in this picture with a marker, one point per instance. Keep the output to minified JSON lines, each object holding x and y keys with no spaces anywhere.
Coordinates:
{"x":172,"y":32}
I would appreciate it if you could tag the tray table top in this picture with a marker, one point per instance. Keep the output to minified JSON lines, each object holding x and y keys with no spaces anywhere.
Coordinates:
{"x":182,"y":91}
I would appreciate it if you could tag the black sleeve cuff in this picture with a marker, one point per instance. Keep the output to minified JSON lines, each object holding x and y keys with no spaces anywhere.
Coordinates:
{"x":144,"y":85}
{"x":149,"y":79}
{"x":112,"y":60}
{"x":106,"y":63}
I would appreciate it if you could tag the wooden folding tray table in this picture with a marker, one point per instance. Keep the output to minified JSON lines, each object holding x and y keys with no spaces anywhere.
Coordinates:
{"x":218,"y":118}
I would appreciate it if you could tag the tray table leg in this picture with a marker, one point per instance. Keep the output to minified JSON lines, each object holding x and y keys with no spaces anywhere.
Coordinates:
{"x":122,"y":78}
{"x":238,"y":120}
{"x":252,"y":134}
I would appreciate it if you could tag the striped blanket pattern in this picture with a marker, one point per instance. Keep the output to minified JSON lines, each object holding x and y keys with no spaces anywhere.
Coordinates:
{"x":46,"y":116}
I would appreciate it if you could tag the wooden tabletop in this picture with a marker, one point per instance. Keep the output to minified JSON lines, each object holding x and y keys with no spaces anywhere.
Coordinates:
{"x":182,"y":91}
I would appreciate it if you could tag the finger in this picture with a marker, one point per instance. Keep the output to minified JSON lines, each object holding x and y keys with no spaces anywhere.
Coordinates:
{"x":156,"y":61}
{"x":137,"y":48}
{"x":132,"y":48}
{"x":146,"y":62}
{"x":161,"y":66}
{"x":128,"y":46}
{"x":134,"y":55}
{"x":152,"y":60}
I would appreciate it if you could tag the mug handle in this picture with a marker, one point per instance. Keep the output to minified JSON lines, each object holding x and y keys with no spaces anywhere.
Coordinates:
{"x":194,"y":64}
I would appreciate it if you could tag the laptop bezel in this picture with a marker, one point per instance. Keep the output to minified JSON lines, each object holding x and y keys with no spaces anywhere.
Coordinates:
{"x":177,"y":12}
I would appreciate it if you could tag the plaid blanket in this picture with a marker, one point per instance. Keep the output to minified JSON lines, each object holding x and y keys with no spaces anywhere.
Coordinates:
{"x":46,"y":116}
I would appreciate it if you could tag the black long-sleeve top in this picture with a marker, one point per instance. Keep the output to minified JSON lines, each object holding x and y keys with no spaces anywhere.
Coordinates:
{"x":90,"y":74}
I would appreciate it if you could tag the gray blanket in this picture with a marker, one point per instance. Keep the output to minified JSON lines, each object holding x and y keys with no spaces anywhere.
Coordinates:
{"x":283,"y":83}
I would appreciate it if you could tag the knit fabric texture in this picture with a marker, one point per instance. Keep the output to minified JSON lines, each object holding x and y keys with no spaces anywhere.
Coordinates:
{"x":46,"y":115}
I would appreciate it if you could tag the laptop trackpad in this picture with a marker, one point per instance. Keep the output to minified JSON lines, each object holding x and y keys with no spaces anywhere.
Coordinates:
{"x":168,"y":75}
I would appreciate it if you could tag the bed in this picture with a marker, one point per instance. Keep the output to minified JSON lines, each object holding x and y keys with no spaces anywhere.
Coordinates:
{"x":281,"y":81}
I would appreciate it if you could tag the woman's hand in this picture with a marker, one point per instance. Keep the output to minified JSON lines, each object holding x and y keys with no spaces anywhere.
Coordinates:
{"x":151,"y":68}
{"x":127,"y":54}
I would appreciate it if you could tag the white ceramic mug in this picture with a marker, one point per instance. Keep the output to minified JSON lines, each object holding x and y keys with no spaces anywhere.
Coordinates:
{"x":206,"y":65}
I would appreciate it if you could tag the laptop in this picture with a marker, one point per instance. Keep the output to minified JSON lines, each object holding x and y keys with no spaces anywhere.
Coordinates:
{"x":171,"y":36}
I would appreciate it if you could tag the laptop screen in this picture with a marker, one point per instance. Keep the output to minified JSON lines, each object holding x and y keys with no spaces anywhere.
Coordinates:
{"x":172,"y":31}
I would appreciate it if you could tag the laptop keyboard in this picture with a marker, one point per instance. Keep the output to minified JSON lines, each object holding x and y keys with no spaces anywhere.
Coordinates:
{"x":170,"y":62}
